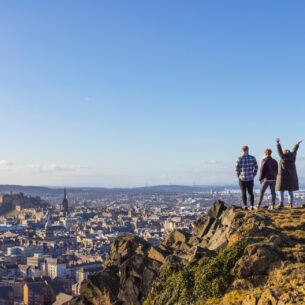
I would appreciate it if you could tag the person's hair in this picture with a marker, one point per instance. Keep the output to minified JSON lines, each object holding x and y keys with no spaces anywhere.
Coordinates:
{"x":268,"y":152}
{"x":286,"y":151}
{"x":244,"y":148}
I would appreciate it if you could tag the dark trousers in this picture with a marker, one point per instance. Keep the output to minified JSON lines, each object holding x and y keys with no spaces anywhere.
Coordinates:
{"x":264,"y":186}
{"x":247,"y":186}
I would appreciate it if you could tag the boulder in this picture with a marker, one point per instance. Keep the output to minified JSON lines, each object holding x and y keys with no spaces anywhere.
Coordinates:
{"x":258,"y":260}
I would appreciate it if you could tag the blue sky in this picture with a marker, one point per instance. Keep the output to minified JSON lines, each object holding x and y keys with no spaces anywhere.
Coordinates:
{"x":131,"y":93}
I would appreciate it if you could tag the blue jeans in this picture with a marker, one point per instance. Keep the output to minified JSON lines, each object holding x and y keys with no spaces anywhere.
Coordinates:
{"x":291,"y":196}
{"x":264,"y":186}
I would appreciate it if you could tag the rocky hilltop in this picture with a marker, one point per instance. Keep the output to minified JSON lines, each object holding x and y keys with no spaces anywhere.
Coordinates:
{"x":233,"y":256}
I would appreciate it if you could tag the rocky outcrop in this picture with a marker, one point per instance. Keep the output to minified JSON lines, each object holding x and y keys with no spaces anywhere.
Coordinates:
{"x":251,"y":257}
{"x":129,"y":273}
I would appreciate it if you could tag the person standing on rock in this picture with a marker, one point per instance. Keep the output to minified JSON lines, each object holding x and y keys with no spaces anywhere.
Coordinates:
{"x":287,"y":179}
{"x":267,"y":177}
{"x":246,"y":169}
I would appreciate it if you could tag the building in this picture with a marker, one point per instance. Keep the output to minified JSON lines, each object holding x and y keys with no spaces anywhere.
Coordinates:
{"x":62,"y":299}
{"x":37,"y":292}
{"x":83,"y":273}
{"x":6,"y":295}
{"x":53,"y":267}
{"x":35,"y":261}
{"x":31,"y":250}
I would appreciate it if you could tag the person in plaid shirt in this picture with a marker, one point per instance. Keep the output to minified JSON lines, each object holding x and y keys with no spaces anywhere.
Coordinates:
{"x":246,"y":169}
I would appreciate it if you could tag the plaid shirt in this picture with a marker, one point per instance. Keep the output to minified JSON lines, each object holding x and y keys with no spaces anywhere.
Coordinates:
{"x":246,"y":167}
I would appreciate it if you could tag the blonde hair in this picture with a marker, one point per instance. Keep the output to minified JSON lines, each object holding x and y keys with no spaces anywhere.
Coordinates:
{"x":244,"y":148}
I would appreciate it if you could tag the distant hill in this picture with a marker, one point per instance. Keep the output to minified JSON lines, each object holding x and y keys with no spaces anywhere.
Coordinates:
{"x":38,"y":190}
{"x":29,"y":190}
{"x":52,"y":191}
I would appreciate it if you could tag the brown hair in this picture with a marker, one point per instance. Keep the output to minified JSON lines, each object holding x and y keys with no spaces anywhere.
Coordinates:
{"x":268,"y":152}
{"x":286,"y":151}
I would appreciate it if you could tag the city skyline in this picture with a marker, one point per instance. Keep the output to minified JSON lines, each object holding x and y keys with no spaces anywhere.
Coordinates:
{"x":135,"y":93}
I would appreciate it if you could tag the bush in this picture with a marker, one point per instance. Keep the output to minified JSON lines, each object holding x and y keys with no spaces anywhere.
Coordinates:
{"x":214,"y":277}
{"x":209,"y":278}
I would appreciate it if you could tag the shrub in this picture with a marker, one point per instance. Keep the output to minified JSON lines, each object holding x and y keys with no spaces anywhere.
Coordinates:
{"x":213,"y":279}
{"x":189,"y":284}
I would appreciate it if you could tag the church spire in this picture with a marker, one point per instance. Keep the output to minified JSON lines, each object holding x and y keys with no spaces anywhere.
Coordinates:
{"x":65,"y":206}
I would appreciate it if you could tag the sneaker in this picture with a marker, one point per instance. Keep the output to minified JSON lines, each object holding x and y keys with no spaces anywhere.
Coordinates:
{"x":251,"y":207}
{"x":271,"y":207}
{"x":256,"y":207}
{"x":244,"y":207}
{"x":279,"y":205}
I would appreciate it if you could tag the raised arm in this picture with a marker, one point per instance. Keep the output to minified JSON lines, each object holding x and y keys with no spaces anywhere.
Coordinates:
{"x":296,"y":146}
{"x":279,"y":147}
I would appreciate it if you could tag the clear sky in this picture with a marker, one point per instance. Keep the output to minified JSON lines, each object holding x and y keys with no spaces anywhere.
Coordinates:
{"x":134,"y":92}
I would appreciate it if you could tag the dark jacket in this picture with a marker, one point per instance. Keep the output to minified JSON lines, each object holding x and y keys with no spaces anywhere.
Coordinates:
{"x":269,"y":169}
{"x":287,"y":179}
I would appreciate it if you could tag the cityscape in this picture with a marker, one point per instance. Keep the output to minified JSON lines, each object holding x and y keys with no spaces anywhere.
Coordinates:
{"x":50,"y":243}
{"x":126,"y":119}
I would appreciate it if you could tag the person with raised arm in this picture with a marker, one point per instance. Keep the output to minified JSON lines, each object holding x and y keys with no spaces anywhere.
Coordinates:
{"x":287,"y":178}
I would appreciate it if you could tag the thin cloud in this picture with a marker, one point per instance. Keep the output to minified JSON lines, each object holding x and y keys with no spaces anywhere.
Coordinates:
{"x":4,"y":164}
{"x":52,"y":168}
{"x":206,"y":164}
{"x":215,"y":162}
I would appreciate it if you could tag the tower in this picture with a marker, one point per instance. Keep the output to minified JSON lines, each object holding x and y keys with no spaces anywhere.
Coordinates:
{"x":65,"y":206}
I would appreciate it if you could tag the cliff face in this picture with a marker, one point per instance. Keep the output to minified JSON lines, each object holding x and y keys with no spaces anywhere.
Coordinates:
{"x":232,"y":257}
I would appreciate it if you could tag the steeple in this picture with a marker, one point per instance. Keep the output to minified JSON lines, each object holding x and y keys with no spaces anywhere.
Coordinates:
{"x":65,"y":206}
